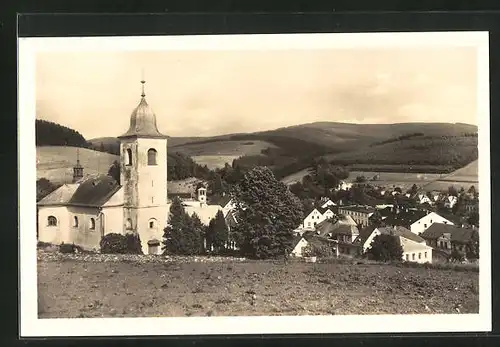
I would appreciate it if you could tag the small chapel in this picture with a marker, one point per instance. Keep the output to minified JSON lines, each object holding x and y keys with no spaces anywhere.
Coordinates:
{"x":91,"y":206}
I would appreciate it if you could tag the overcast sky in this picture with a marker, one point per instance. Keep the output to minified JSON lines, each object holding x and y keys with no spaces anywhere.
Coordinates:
{"x":204,"y":93}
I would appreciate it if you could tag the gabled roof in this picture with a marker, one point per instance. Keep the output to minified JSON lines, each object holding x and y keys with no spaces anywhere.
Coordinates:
{"x":361,"y":209}
{"x":94,"y":191}
{"x":364,"y":233}
{"x":60,"y":196}
{"x":219,"y":200}
{"x":401,"y":231}
{"x":458,"y":234}
{"x":404,"y":218}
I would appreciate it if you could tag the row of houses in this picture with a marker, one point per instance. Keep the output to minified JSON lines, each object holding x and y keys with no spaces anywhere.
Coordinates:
{"x":424,"y":236}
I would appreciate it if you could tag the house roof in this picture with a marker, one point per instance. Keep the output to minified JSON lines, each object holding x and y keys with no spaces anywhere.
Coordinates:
{"x":412,"y":246}
{"x":457,"y":234}
{"x":143,"y":122}
{"x":361,"y":209}
{"x":219,"y":199}
{"x":364,"y":233}
{"x":204,"y":212}
{"x":401,"y":231}
{"x":60,"y":196}
{"x":94,"y":191}
{"x":327,"y":227}
{"x":405,"y":218}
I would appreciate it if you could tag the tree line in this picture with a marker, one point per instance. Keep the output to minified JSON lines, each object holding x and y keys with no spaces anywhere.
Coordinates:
{"x":53,"y":134}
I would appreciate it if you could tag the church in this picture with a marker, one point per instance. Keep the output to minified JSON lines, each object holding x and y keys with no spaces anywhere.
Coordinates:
{"x":83,"y":211}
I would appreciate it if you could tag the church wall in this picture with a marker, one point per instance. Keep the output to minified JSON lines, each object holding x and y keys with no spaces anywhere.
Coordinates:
{"x":83,"y":234}
{"x":112,"y":220}
{"x":53,"y":234}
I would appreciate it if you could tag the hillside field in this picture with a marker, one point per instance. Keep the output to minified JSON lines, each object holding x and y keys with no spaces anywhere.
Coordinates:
{"x":56,"y":163}
{"x":90,"y":287}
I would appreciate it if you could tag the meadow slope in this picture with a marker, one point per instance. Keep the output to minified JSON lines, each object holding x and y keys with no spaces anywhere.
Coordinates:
{"x":56,"y":163}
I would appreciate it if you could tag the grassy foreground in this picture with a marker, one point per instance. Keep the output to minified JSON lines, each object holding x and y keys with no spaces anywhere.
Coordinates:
{"x":93,"y":286}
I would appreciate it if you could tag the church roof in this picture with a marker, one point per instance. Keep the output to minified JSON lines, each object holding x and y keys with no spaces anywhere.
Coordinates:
{"x":94,"y":191}
{"x":60,"y":196}
{"x":143,"y":121}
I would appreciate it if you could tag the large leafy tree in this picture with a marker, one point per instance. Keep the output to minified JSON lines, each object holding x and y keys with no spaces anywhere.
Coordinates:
{"x":267,"y":214}
{"x":114,"y":171}
{"x":183,"y":235}
{"x":217,"y":233}
{"x":385,"y":248}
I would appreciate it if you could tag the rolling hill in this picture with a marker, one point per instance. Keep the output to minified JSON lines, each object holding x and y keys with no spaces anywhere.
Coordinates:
{"x":55,"y":163}
{"x":293,"y":148}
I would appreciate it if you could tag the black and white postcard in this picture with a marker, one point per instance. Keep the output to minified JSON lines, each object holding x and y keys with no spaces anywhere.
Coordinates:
{"x":254,"y":184}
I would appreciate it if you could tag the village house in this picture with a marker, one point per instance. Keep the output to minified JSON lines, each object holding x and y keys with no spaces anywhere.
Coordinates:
{"x":360,"y":214}
{"x":447,"y":237}
{"x":414,"y":247}
{"x":314,"y":217}
{"x":415,"y":220}
{"x":422,"y":198}
{"x":450,"y":201}
{"x":95,"y":205}
{"x":326,"y":202}
{"x":301,"y":243}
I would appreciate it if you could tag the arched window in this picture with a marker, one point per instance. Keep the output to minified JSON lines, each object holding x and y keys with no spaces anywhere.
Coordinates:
{"x":152,"y":156}
{"x":128,"y":159}
{"x":128,"y":225}
{"x":52,"y":221}
{"x":75,"y":221}
{"x":152,"y":223}
{"x":92,"y":224}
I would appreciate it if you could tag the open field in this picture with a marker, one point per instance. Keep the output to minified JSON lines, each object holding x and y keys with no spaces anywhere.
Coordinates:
{"x":93,"y":288}
{"x":223,"y":148}
{"x":55,"y":163}
{"x":395,"y":179}
{"x":296,"y":177}
{"x":214,"y":161}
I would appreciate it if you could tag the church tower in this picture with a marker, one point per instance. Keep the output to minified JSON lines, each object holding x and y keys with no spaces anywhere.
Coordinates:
{"x":143,"y":175}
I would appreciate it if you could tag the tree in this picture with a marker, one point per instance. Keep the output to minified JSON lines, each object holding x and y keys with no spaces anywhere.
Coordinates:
{"x":267,"y":214}
{"x":43,"y":188}
{"x":452,"y":191}
{"x":473,"y":247}
{"x":414,"y":189}
{"x":183,"y":234}
{"x":217,"y":233}
{"x":114,"y":171}
{"x":360,"y":179}
{"x":472,"y":190}
{"x":473,"y":219}
{"x":376,"y":219}
{"x":101,"y":147}
{"x":385,"y":248}
{"x":217,"y":185}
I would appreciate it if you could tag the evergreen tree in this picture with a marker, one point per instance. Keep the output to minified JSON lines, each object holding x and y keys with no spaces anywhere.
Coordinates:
{"x":267,"y":214}
{"x":217,"y":233}
{"x":182,"y":235}
{"x":385,"y":248}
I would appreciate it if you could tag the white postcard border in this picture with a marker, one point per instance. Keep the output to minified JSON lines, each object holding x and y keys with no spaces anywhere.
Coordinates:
{"x":32,"y":326}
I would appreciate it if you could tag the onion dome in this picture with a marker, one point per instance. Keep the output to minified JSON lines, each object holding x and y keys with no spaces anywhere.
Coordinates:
{"x":143,"y":121}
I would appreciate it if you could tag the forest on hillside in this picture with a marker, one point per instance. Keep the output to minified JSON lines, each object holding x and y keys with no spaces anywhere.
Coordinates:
{"x":53,"y":134}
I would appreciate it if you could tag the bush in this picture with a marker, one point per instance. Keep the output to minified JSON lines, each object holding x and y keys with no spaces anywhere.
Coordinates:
{"x":121,"y":244}
{"x":318,"y":250}
{"x":67,"y":248}
{"x":385,"y":248}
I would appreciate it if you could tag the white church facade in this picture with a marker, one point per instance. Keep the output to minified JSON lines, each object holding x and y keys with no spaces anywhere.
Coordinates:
{"x":95,"y":205}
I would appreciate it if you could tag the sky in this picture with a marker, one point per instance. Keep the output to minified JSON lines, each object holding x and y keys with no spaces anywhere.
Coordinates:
{"x":207,"y":93}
